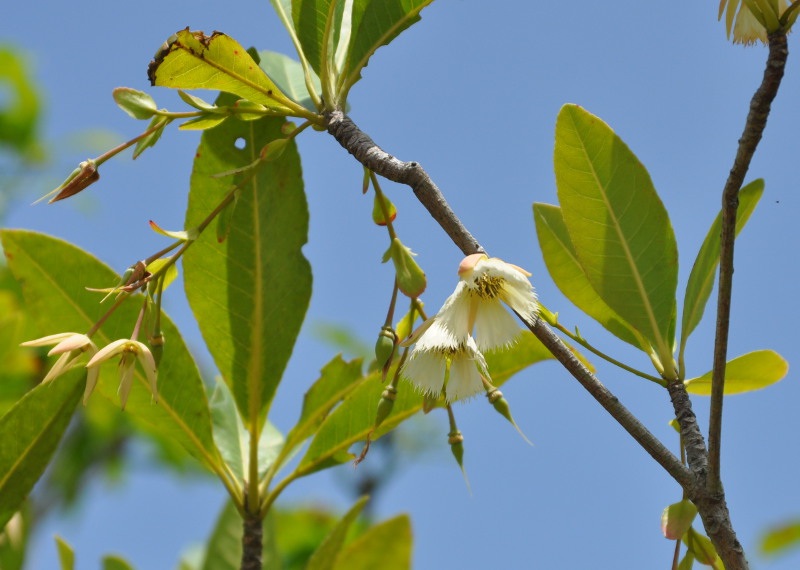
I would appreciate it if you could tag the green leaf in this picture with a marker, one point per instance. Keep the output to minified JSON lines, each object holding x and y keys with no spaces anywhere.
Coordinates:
{"x":687,"y":563}
{"x":66,"y":556}
{"x":250,"y":292}
{"x":704,"y":270}
{"x":677,"y":519}
{"x":233,"y":440}
{"x":702,"y":548}
{"x":152,"y":138}
{"x":337,"y":379}
{"x":202,"y":123}
{"x":386,"y":546}
{"x":224,"y":546}
{"x":316,"y":25}
{"x":325,"y":556}
{"x":20,"y":111}
{"x":30,"y":432}
{"x":567,"y":273}
{"x":196,"y":61}
{"x":374,"y":23}
{"x":751,"y":371}
{"x":113,"y":562}
{"x":781,"y":538}
{"x":137,"y":104}
{"x":54,"y":276}
{"x":618,"y":225}
{"x":288,"y":74}
{"x":14,"y":540}
{"x":354,"y":419}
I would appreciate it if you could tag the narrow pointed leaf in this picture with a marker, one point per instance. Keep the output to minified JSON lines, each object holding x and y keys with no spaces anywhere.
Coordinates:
{"x":54,"y":274}
{"x":386,"y":546}
{"x":375,"y":23}
{"x":113,"y":562}
{"x":66,"y":556}
{"x":249,"y":293}
{"x":325,"y":556}
{"x":618,"y":225}
{"x":288,"y":75}
{"x":751,"y":371}
{"x":30,"y":432}
{"x":781,"y":538}
{"x":196,"y":61}
{"x":677,"y":519}
{"x":202,"y":123}
{"x":701,"y":547}
{"x":152,"y":138}
{"x":567,"y":273}
{"x":704,"y":270}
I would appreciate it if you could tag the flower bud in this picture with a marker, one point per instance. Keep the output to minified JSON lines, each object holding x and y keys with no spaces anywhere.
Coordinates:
{"x":499,"y":403}
{"x":410,"y":277}
{"x":377,"y":211}
{"x":384,"y":346}
{"x":456,"y":442}
{"x":385,"y":405}
{"x":81,"y":178}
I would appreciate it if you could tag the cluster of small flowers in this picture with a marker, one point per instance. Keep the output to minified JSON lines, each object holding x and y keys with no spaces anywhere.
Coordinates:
{"x":448,"y":348}
{"x":72,"y":345}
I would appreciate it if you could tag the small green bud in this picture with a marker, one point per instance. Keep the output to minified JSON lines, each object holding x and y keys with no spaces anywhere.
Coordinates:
{"x":384,"y":346}
{"x":456,"y":442}
{"x":377,"y":212}
{"x":385,"y":405}
{"x":499,"y":403}
{"x":410,"y":277}
{"x":273,"y":150}
{"x":288,"y":128}
{"x":157,"y":346}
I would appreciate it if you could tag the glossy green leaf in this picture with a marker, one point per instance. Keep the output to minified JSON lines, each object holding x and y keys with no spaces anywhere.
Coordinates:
{"x":325,"y":556}
{"x":751,"y":371}
{"x":113,"y":562}
{"x":54,"y":276}
{"x":567,"y":273}
{"x":66,"y":556}
{"x":337,"y":379}
{"x":704,"y":270}
{"x":202,"y":123}
{"x":618,"y":225}
{"x":781,"y":538}
{"x":137,"y":104}
{"x":233,"y":440}
{"x":152,"y":138}
{"x":677,"y":519}
{"x":30,"y":432}
{"x":196,"y":61}
{"x":386,"y":546}
{"x":375,"y":23}
{"x":249,"y":293}
{"x":288,"y":74}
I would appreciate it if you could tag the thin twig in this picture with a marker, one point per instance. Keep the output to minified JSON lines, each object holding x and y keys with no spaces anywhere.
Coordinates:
{"x":753,"y":129}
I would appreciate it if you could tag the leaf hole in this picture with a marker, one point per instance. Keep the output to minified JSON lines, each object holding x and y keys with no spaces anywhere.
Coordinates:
{"x":240,"y":143}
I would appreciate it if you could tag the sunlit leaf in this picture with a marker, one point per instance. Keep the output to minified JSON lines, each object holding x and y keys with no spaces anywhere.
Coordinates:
{"x":55,"y":275}
{"x":781,"y":538}
{"x":158,"y":123}
{"x":565,"y":269}
{"x":14,"y":540}
{"x":137,"y":104}
{"x":677,"y":519}
{"x":196,"y":61}
{"x":325,"y":556}
{"x":208,"y":121}
{"x":20,"y":110}
{"x":250,"y":292}
{"x":30,"y":432}
{"x":618,"y":225}
{"x":386,"y":546}
{"x":375,"y":23}
{"x":701,"y":547}
{"x":701,"y":279}
{"x":751,"y":371}
{"x":316,"y":26}
{"x":66,"y":556}
{"x":114,"y":562}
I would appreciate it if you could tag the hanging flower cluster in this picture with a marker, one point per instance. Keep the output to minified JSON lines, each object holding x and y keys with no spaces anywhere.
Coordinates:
{"x":448,"y":348}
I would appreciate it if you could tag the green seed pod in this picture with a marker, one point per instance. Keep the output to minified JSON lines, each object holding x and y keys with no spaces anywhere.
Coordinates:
{"x":456,"y":441}
{"x":384,"y":346}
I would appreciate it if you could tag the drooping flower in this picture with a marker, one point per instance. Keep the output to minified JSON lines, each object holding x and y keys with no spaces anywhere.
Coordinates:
{"x":70,"y":346}
{"x":131,"y":351}
{"x":455,"y":370}
{"x":747,"y":29}
{"x":488,"y":282}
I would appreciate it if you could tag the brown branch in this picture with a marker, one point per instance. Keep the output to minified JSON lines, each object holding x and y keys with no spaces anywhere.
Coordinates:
{"x":753,"y":129}
{"x":252,"y":542}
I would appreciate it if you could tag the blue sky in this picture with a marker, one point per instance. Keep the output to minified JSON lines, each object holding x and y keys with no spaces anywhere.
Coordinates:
{"x":472,"y":93}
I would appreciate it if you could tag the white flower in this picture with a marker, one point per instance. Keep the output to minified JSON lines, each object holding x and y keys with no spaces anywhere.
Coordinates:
{"x":70,"y":346}
{"x":455,"y":370}
{"x":485,"y":283}
{"x":131,"y":351}
{"x":747,"y":29}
